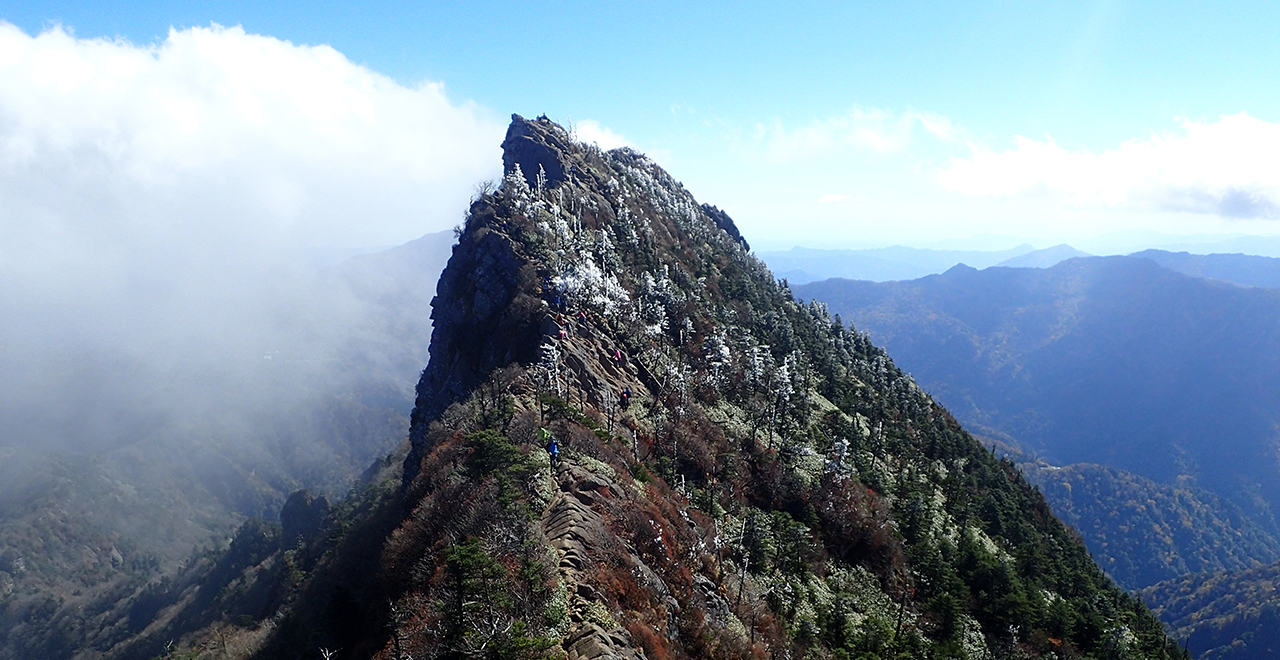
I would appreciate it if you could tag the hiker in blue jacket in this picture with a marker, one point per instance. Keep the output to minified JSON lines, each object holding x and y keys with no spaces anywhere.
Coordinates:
{"x":553,"y":447}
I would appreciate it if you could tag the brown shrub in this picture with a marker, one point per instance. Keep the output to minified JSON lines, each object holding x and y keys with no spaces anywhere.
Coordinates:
{"x":856,"y":527}
{"x":655,"y":645}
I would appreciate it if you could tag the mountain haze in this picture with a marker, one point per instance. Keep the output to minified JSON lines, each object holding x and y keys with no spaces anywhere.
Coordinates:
{"x":800,"y":265}
{"x":87,"y":535}
{"x":1043,"y":258}
{"x":1242,"y":269}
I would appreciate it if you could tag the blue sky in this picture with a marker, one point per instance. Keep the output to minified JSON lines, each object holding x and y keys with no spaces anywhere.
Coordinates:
{"x":828,"y":124}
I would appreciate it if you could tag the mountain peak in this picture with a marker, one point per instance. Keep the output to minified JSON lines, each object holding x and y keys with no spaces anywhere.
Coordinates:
{"x":631,"y":441}
{"x":536,"y":146}
{"x":555,"y":237}
{"x":629,"y":321}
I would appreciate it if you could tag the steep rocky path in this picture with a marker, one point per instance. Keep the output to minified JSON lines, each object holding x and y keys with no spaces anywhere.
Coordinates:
{"x":578,"y":533}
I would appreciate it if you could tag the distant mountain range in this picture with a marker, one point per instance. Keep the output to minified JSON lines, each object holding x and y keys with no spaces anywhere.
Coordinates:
{"x":805,"y":265}
{"x":1242,"y":269}
{"x":1111,"y":360}
{"x":1141,"y":394}
{"x":1044,"y":258}
{"x":801,"y":265}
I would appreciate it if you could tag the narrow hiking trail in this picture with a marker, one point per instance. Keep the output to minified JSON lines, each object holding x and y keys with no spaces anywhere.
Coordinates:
{"x":578,"y":534}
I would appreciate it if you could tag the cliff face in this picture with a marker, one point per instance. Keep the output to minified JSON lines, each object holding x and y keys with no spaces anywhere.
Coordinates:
{"x":483,"y":317}
{"x":738,"y":475}
{"x":489,"y":307}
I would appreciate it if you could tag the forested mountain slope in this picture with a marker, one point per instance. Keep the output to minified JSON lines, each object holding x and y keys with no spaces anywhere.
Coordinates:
{"x":1144,"y":400}
{"x":773,"y":486}
{"x":1223,"y":615}
{"x":1143,"y":532}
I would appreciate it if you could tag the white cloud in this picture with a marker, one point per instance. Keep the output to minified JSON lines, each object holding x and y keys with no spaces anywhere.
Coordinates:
{"x":590,"y":130}
{"x":871,"y":129}
{"x":1226,"y":168}
{"x":201,"y":164}
{"x":219,"y":132}
{"x":834,"y":199}
{"x":153,"y":198}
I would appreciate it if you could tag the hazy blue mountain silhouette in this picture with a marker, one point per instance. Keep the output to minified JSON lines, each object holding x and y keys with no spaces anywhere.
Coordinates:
{"x":1242,"y":269}
{"x":1045,"y":258}
{"x":801,"y":265}
{"x":1110,"y":360}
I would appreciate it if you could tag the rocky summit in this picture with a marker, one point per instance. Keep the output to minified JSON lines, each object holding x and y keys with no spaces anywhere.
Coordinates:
{"x":632,"y":442}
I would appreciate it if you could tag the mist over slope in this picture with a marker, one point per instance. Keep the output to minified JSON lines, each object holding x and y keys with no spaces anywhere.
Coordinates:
{"x":172,"y":361}
{"x":83,"y":530}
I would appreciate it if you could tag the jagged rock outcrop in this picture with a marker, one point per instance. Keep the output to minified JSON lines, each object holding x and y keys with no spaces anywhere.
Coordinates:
{"x":724,"y":222}
{"x":579,"y":536}
{"x":489,"y":307}
{"x":536,"y":148}
{"x":598,"y":274}
{"x":302,"y":517}
{"x":484,"y":317}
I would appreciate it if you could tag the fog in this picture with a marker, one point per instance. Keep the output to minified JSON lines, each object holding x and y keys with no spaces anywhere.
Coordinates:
{"x":160,"y":208}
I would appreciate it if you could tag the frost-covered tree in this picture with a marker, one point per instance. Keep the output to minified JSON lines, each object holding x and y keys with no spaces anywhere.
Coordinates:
{"x":583,"y":284}
{"x":514,"y":185}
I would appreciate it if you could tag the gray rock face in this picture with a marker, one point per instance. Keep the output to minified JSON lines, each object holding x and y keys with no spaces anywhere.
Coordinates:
{"x":535,"y":147}
{"x":302,"y":517}
{"x":724,"y":222}
{"x":479,"y":324}
{"x":579,"y":535}
{"x":490,"y":307}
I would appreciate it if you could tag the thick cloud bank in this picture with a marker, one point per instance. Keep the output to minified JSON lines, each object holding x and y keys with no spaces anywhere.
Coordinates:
{"x":155,"y":203}
{"x":1226,"y":168}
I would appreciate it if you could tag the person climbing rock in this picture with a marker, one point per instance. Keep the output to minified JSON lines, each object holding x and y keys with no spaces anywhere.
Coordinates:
{"x":553,"y":447}
{"x":626,"y":398}
{"x":617,"y":355}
